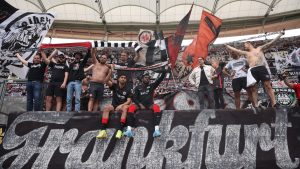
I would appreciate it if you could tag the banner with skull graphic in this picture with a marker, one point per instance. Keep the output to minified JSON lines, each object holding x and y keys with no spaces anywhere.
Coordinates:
{"x":21,"y":32}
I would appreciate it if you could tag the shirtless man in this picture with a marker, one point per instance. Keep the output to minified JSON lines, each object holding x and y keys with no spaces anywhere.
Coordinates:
{"x":101,"y":74}
{"x":256,"y":60}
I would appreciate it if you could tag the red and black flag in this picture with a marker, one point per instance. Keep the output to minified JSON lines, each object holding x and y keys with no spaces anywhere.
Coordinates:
{"x":208,"y":31}
{"x":173,"y":42}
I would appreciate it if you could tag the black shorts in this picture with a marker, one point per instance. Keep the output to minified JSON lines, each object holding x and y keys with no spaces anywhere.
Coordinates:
{"x":54,"y":89}
{"x":96,"y":90}
{"x":260,"y":73}
{"x":239,"y":83}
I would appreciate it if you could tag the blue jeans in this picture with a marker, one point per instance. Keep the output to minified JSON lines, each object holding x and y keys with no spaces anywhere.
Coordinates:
{"x":209,"y":90}
{"x":73,"y":86}
{"x":34,"y":98}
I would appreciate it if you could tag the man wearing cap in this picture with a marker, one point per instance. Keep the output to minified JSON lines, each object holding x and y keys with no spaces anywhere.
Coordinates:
{"x":101,"y":75}
{"x":143,"y":100}
{"x":58,"y":82}
{"x":201,"y":77}
{"x":121,"y":100}
{"x":75,"y":77}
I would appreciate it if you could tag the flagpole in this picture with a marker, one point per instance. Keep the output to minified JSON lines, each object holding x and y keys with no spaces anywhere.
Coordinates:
{"x":163,"y":47}
{"x":256,"y":37}
{"x":172,"y":73}
{"x":169,"y":63}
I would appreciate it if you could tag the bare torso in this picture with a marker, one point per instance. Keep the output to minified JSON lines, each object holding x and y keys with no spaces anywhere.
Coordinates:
{"x":100,"y":72}
{"x":255,"y":57}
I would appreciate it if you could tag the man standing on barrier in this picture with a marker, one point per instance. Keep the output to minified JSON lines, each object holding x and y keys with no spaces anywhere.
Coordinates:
{"x":201,"y":77}
{"x":258,"y":69}
{"x":143,"y":100}
{"x":236,"y":70}
{"x":57,"y":85}
{"x":218,"y":84}
{"x":35,"y":78}
{"x":125,"y":61}
{"x":121,"y":100}
{"x":101,"y":74}
{"x":76,"y":75}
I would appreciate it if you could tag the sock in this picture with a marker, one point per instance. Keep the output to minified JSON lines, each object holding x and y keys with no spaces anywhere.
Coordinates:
{"x":156,"y":127}
{"x":129,"y":128}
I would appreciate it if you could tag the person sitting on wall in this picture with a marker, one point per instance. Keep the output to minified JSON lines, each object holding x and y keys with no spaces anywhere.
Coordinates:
{"x":143,"y":100}
{"x":121,"y":100}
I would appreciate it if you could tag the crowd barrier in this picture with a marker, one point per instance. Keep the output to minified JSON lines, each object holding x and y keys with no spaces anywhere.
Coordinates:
{"x":211,"y":139}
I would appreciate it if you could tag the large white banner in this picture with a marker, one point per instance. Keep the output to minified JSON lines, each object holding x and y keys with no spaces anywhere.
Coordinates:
{"x":21,"y":32}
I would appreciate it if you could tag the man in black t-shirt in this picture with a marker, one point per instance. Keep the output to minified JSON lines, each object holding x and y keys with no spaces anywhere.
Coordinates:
{"x":58,"y":82}
{"x":125,"y":61}
{"x":75,"y":77}
{"x":35,"y":78}
{"x":121,"y":100}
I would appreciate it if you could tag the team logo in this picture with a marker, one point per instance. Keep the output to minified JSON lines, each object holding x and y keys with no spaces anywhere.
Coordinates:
{"x":145,"y":36}
{"x":285,"y":99}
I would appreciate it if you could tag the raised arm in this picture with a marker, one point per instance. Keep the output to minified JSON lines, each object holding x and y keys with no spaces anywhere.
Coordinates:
{"x":85,"y":59}
{"x":236,"y":50}
{"x":25,"y":62}
{"x":47,"y":60}
{"x":161,"y":77}
{"x":267,"y":45}
{"x":137,"y":56}
{"x":93,"y":54}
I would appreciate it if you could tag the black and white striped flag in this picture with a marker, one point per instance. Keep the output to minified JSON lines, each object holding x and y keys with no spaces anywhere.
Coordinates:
{"x":103,"y":44}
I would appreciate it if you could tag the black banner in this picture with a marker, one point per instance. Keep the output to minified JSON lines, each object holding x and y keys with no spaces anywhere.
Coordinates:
{"x":215,"y":139}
